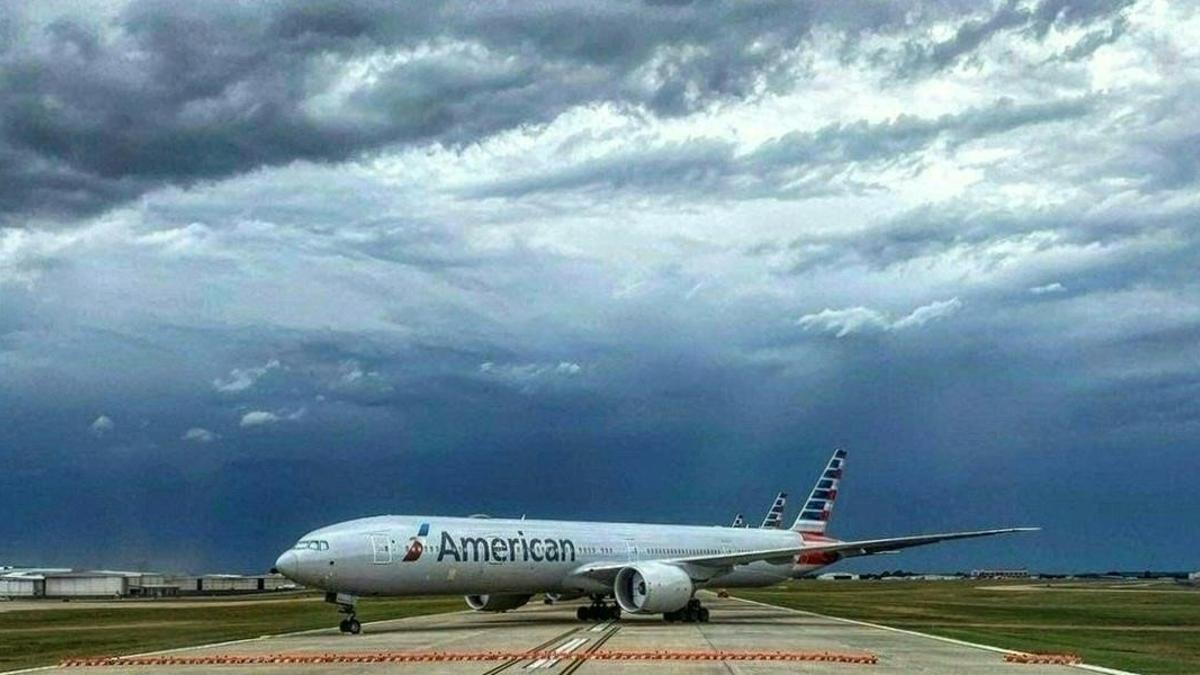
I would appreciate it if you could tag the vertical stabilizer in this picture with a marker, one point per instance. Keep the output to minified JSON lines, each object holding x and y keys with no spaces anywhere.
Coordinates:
{"x":814,"y":515}
{"x":774,"y":517}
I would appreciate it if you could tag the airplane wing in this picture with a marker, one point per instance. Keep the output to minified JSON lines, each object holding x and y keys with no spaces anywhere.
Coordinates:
{"x":847,"y":549}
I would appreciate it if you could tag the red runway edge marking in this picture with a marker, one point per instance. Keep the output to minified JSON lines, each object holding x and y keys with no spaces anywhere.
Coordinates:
{"x":426,"y":657}
{"x":1044,"y":659}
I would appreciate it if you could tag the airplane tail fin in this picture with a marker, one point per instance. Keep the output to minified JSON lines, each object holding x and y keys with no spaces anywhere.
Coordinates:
{"x":739,"y":521}
{"x":814,"y":515}
{"x":774,"y":517}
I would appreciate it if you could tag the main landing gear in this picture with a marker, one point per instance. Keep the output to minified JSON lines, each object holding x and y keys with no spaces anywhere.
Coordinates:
{"x":598,"y":611}
{"x":690,"y":613}
{"x":346,"y":604}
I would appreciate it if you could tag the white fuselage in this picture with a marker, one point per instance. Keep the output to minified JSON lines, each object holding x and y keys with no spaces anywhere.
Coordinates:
{"x":413,"y":555}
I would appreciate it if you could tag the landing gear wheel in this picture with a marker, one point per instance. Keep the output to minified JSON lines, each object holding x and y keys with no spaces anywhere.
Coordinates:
{"x":689,"y":613}
{"x":346,"y":605}
{"x":598,"y":611}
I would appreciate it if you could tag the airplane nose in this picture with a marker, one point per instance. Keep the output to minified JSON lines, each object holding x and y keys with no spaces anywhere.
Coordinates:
{"x":288,"y":565}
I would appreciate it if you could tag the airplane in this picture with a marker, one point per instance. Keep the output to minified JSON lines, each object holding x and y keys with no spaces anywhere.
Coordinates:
{"x":499,"y":564}
{"x":774,"y":516}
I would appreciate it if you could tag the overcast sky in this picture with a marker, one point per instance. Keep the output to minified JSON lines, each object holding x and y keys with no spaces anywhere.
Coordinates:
{"x":265,"y":266}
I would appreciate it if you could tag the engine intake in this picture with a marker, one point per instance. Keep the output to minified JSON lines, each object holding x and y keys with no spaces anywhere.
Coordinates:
{"x":496,"y":603}
{"x":652,"y":588}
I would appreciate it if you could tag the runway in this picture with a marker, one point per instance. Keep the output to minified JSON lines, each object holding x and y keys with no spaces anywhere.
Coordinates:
{"x":736,"y":627}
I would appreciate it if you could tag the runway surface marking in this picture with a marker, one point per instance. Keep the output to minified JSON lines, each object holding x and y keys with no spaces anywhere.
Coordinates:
{"x":563,"y":649}
{"x":514,"y":661}
{"x":939,"y":638}
{"x":751,"y":639}
{"x":578,"y":662}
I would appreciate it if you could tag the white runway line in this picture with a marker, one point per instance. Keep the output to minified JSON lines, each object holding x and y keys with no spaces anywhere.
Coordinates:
{"x":964,"y":643}
{"x":603,"y":626}
{"x":563,"y":649}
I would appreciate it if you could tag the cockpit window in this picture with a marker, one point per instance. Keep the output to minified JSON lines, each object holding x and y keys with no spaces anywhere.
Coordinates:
{"x":311,"y":545}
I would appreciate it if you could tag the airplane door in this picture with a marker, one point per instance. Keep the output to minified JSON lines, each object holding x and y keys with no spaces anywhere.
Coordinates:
{"x":381,"y":549}
{"x":631,"y":548}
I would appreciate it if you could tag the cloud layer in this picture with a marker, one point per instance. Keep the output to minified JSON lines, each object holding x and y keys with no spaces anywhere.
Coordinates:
{"x":520,"y":244}
{"x":843,"y":322}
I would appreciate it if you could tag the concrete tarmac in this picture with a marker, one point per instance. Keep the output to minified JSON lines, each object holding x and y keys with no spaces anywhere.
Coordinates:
{"x":735,"y":626}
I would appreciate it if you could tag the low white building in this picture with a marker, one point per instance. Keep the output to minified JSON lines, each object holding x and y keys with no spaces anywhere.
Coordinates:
{"x":22,"y":585}
{"x":86,"y":585}
{"x":837,"y":576}
{"x":1000,"y":574}
{"x":228,"y":583}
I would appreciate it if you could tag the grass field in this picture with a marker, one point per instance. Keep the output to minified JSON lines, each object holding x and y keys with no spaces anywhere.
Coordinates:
{"x":46,"y":636}
{"x":1146,"y":628}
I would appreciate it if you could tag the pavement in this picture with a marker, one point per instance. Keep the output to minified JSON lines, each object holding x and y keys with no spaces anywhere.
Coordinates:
{"x":736,"y":626}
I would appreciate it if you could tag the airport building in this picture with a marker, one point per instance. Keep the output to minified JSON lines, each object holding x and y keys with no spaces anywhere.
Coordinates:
{"x":67,"y":583}
{"x":231,"y":583}
{"x":1000,"y":574}
{"x":22,"y":584}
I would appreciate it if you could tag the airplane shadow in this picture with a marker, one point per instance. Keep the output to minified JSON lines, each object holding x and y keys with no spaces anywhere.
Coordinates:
{"x":740,"y":618}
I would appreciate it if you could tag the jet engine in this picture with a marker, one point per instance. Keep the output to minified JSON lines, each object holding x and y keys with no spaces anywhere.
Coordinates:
{"x":496,"y":603}
{"x":652,"y":588}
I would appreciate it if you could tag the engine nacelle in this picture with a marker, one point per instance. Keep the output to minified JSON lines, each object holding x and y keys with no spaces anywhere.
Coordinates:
{"x":652,"y":588}
{"x":496,"y":603}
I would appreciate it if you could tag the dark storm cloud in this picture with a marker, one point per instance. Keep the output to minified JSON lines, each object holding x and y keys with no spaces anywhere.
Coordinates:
{"x":933,"y":232}
{"x":640,"y":315}
{"x":94,"y":113}
{"x":1037,"y":19}
{"x":796,"y":164}
{"x":1096,"y":39}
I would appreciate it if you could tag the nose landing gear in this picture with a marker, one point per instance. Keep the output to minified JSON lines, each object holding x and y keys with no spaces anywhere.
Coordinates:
{"x":346,"y":604}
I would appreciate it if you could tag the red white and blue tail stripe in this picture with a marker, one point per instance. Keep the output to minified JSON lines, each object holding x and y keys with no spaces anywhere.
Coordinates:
{"x":816,"y":510}
{"x":774,"y":517}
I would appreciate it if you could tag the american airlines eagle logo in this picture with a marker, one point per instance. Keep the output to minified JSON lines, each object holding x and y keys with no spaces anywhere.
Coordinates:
{"x":416,"y":545}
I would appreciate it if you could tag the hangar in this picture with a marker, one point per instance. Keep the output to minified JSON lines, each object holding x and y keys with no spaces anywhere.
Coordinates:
{"x":68,"y":583}
{"x":22,"y":584}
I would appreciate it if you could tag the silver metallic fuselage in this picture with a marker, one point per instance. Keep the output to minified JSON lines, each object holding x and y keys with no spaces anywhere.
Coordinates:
{"x":416,"y":555}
